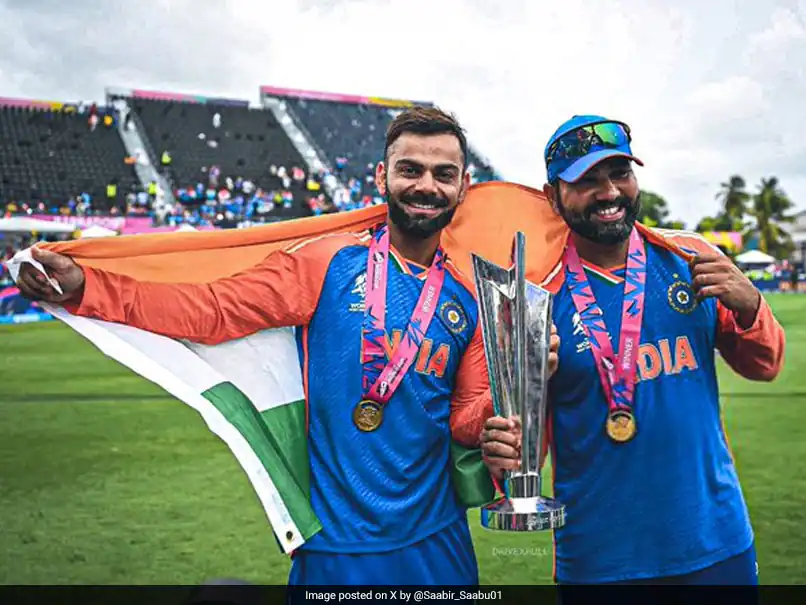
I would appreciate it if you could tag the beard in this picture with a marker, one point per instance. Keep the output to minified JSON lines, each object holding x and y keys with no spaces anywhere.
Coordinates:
{"x":419,"y":227}
{"x":585,"y":225}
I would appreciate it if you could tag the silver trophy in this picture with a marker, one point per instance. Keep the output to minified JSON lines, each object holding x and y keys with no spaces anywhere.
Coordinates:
{"x":515,"y":317}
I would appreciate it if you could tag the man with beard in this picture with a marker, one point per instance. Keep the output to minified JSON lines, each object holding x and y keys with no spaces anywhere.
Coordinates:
{"x":392,"y":357}
{"x":639,"y":454}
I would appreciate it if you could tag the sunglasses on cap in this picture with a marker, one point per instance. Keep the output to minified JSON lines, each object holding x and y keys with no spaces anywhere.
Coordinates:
{"x":579,"y":142}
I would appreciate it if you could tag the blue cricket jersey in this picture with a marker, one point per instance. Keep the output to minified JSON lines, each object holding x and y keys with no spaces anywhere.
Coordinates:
{"x":669,"y":501}
{"x":390,"y":488}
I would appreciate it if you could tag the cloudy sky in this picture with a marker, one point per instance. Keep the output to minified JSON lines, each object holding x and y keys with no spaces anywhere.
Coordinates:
{"x":710,"y":88}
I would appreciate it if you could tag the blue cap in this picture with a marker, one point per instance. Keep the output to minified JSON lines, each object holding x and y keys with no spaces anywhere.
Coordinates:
{"x":572,"y":169}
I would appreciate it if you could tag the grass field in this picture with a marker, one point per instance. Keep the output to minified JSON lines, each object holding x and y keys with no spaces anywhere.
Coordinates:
{"x":106,"y":480}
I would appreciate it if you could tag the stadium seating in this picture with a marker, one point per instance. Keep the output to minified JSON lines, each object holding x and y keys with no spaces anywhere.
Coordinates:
{"x":49,"y":157}
{"x":52,"y":156}
{"x":356,"y":132}
{"x":246,"y":144}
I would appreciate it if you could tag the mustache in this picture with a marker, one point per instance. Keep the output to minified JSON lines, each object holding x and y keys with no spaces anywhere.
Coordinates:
{"x":620,"y":202}
{"x":425,"y":199}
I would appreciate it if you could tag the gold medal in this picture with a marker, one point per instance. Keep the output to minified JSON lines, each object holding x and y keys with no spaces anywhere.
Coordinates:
{"x":621,"y":426}
{"x":368,"y":415}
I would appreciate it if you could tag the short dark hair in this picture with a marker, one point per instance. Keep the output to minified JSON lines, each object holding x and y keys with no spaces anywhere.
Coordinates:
{"x":425,"y":121}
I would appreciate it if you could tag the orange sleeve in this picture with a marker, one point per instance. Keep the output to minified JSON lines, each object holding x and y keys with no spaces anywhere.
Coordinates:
{"x":756,"y":353}
{"x":283,"y":290}
{"x":472,"y":401}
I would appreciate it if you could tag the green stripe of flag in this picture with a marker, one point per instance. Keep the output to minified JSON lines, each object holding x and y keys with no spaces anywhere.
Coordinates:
{"x":278,"y":438}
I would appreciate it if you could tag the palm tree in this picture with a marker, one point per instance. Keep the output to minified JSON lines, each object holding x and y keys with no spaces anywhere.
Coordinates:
{"x":734,"y":197}
{"x":655,"y":212}
{"x":770,"y":206}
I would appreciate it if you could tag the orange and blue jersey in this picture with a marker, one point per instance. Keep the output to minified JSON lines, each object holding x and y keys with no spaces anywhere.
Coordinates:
{"x":390,"y":488}
{"x":669,"y":502}
{"x":373,"y":492}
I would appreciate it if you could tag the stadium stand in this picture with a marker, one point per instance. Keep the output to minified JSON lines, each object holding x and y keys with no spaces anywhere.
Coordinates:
{"x":228,"y":164}
{"x":213,"y":147}
{"x":55,"y":158}
{"x":350,"y":132}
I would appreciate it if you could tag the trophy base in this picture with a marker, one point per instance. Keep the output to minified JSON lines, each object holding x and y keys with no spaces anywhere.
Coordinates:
{"x":502,"y":515}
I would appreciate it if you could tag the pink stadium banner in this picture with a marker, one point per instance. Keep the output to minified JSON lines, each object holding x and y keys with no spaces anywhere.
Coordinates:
{"x":116,"y":223}
{"x":138,"y":229}
{"x":276,"y":91}
{"x":9,"y":102}
{"x":36,"y":104}
{"x":185,"y":98}
{"x":125,"y":225}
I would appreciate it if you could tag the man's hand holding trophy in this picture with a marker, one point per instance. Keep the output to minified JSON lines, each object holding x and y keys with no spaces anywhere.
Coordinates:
{"x":521,"y":346}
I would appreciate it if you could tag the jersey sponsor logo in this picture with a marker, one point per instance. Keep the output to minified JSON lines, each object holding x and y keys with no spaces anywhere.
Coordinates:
{"x":681,"y":297}
{"x":453,"y":315}
{"x":432,"y":359}
{"x":360,"y":291}
{"x":666,"y":358}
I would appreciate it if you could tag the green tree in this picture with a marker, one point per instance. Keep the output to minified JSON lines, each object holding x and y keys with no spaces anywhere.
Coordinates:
{"x":707,"y":223}
{"x":769,"y":209}
{"x":720,"y":222}
{"x":655,"y":212}
{"x":677,"y":225}
{"x":734,"y":197}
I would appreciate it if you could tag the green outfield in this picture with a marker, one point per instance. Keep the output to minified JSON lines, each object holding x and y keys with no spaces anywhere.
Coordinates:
{"x":106,"y":480}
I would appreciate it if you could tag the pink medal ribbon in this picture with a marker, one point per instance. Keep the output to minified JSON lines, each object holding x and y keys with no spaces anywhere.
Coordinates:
{"x":380,"y":380}
{"x":617,"y":374}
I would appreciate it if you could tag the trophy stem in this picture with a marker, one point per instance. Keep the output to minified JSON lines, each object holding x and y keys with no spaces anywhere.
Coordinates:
{"x":520,"y":345}
{"x":523,"y":485}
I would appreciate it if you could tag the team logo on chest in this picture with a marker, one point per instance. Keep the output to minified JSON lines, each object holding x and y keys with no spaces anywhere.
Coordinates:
{"x":453,"y":315}
{"x":681,"y":296}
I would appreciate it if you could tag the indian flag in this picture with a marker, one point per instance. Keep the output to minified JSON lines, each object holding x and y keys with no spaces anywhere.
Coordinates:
{"x":250,"y":392}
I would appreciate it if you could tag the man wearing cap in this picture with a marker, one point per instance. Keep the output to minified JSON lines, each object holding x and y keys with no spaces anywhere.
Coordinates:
{"x":638,"y":449}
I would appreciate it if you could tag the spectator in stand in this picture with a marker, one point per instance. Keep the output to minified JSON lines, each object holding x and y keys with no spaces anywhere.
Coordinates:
{"x":341,"y":165}
{"x":212,"y":176}
{"x":93,"y":117}
{"x":165,"y":161}
{"x":145,"y":198}
{"x":112,"y":194}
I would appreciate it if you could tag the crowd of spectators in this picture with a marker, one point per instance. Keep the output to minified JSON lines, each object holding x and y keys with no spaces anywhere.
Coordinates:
{"x":215,"y":198}
{"x":360,"y":191}
{"x":231,"y":200}
{"x":220,"y":201}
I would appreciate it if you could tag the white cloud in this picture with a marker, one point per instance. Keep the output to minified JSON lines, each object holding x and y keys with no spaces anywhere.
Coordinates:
{"x":786,"y":27}
{"x":733,"y":99}
{"x":746,"y":122}
{"x":710,"y":88}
